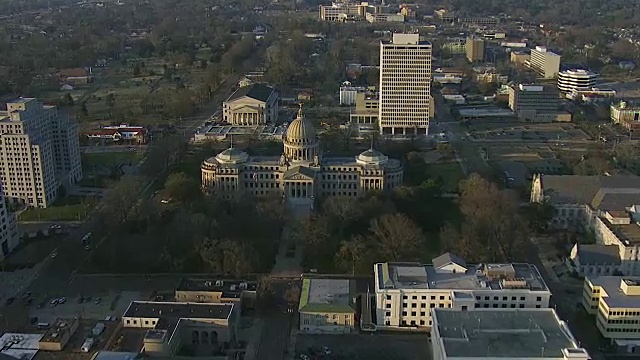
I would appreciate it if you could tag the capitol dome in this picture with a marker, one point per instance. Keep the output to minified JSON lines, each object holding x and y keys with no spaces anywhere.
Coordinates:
{"x":232,"y":156}
{"x":301,"y":142}
{"x":372,"y":157}
{"x":301,"y":132}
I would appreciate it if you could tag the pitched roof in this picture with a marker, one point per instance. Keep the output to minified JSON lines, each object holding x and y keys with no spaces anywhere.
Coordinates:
{"x":76,"y":72}
{"x":256,"y":91}
{"x":447,"y":258}
{"x":581,"y":189}
{"x":299,"y":170}
{"x":598,"y":254}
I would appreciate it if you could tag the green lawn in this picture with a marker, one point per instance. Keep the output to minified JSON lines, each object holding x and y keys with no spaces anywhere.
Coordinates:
{"x":450,"y":173}
{"x":65,"y":209}
{"x":110,"y":159}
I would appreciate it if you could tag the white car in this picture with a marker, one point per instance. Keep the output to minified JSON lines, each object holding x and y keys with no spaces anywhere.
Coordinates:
{"x":53,"y":302}
{"x":62,"y":300}
{"x":165,"y":201}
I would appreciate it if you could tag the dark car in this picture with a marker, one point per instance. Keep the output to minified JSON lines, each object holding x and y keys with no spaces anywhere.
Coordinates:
{"x":9,"y":301}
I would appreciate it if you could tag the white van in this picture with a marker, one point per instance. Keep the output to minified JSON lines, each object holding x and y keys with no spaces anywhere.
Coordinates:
{"x":86,"y":346}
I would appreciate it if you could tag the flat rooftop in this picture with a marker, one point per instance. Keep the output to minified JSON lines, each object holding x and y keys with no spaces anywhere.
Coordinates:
{"x":216,"y":285}
{"x":509,"y":333}
{"x":418,"y":276}
{"x":614,"y":296}
{"x":327,"y":295}
{"x":176,"y":310}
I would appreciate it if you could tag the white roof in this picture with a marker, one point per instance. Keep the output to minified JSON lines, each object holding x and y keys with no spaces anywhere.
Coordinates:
{"x":20,"y":341}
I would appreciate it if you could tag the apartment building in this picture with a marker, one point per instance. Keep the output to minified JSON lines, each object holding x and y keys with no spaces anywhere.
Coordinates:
{"x":474,"y":48}
{"x":606,"y":206}
{"x":174,"y":325}
{"x":536,"y":103}
{"x":576,"y":80}
{"x":546,"y":63}
{"x":9,"y":237}
{"x":626,"y":115}
{"x":615,"y":300}
{"x":407,"y":292}
{"x":405,"y":86}
{"x":327,"y":306}
{"x":39,"y":152}
{"x":506,"y":334}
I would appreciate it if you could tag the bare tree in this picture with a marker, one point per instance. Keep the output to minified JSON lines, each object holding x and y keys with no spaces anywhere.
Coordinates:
{"x":121,"y":199}
{"x":352,"y":253}
{"x":397,"y":237}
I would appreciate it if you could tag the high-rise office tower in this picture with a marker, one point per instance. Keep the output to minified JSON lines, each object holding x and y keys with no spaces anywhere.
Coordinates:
{"x":39,"y":152}
{"x":474,"y":48}
{"x":8,"y":232}
{"x":405,"y":86}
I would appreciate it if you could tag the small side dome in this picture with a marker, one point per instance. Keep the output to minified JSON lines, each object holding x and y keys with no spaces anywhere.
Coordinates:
{"x":372,"y":157}
{"x":232,"y":156}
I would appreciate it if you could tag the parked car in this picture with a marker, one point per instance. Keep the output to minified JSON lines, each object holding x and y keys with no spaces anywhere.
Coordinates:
{"x":326,"y":350}
{"x":98,"y":301}
{"x":62,"y":300}
{"x":53,"y":303}
{"x":9,"y":301}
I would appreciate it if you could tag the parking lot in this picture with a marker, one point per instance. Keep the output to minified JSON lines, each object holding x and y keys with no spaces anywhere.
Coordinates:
{"x":383,"y":346}
{"x":530,"y":132}
{"x":109,"y":304}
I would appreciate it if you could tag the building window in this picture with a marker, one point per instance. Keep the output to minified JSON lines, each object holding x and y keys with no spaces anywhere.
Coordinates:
{"x":388,"y":313}
{"x":413,"y":313}
{"x":128,"y":321}
{"x":388,"y":297}
{"x":388,"y":306}
{"x":404,"y":313}
{"x":539,"y":298}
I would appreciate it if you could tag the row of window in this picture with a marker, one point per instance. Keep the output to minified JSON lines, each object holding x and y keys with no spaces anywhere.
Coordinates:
{"x":442,"y":297}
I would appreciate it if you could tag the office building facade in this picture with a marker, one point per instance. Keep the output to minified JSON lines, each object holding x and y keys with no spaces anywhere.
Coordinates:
{"x":576,"y":80}
{"x":407,"y":292}
{"x":9,"y":238}
{"x":474,"y":48}
{"x":39,"y":152}
{"x":546,"y":63}
{"x":405,"y":86}
{"x":536,"y":103}
{"x":615,"y":301}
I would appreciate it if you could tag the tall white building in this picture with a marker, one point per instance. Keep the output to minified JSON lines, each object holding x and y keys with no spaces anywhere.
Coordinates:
{"x":39,"y":152}
{"x":406,"y":292}
{"x":546,"y":63}
{"x":576,"y":80}
{"x":8,"y":232}
{"x":405,"y":86}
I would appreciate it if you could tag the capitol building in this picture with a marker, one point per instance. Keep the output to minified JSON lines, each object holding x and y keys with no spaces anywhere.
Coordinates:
{"x":301,"y":173}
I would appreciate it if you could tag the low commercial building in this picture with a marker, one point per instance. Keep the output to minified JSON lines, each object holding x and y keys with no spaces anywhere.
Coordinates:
{"x":615,"y":300}
{"x":537,"y":103}
{"x":545,"y":62}
{"x":576,"y":80}
{"x":172,"y":325}
{"x":626,"y":115}
{"x":251,"y":105}
{"x":455,"y":46}
{"x":445,"y":15}
{"x":123,"y":132}
{"x":384,"y":17}
{"x":349,"y":93}
{"x":366,"y":109}
{"x":506,"y":334}
{"x":58,"y":335}
{"x":519,"y":58}
{"x":327,"y":306}
{"x":217,"y":291}
{"x":482,"y":21}
{"x":406,"y":292}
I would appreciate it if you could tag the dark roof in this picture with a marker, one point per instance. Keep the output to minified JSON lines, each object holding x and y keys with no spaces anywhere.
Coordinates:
{"x":447,"y":258}
{"x":598,"y":254}
{"x":153,"y":309}
{"x":615,"y":199}
{"x":256,"y":91}
{"x":216,"y":285}
{"x":581,"y":189}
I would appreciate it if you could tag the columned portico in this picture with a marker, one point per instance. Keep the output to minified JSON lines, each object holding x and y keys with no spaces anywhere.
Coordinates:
{"x":249,"y":118}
